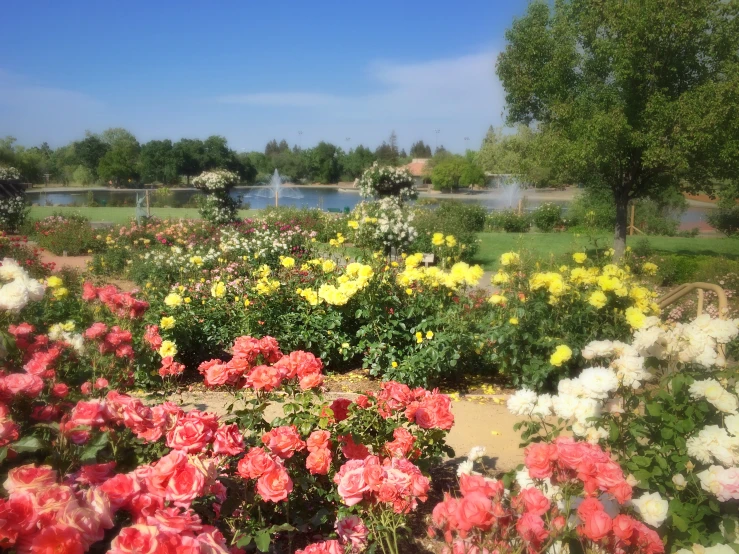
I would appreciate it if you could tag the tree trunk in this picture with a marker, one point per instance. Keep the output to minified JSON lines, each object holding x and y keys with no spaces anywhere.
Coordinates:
{"x":622,"y":222}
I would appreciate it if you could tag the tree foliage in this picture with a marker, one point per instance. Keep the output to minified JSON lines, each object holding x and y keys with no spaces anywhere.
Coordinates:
{"x":636,"y":96}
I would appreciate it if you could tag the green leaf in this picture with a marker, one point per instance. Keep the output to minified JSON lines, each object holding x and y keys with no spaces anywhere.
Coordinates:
{"x":27,"y":444}
{"x":642,"y":461}
{"x":262,"y":540}
{"x":679,"y":522}
{"x":654,"y":409}
{"x":244,"y":540}
{"x":91,"y":450}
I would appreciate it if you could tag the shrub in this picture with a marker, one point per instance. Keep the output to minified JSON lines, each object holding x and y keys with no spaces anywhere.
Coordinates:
{"x":677,"y":269}
{"x":454,"y":219}
{"x":70,"y":233}
{"x":509,"y":221}
{"x":217,"y":205}
{"x":542,"y":319}
{"x":13,"y":213}
{"x":726,"y":220}
{"x":547,"y":216}
{"x":383,"y":181}
{"x":666,"y":410}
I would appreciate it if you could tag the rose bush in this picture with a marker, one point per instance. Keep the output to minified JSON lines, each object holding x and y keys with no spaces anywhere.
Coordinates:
{"x":666,"y":406}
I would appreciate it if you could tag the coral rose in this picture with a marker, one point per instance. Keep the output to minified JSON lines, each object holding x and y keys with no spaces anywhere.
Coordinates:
{"x":256,"y":463}
{"x":283,"y":441}
{"x":319,"y":461}
{"x":275,"y":485}
{"x":228,"y":440}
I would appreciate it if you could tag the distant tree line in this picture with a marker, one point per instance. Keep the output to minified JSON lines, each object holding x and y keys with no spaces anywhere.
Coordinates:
{"x":117,"y":158}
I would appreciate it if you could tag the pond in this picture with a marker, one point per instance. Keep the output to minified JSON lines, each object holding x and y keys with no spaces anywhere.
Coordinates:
{"x":325,"y":198}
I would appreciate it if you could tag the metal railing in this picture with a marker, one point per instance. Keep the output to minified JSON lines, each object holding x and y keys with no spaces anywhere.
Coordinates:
{"x":723,"y":306}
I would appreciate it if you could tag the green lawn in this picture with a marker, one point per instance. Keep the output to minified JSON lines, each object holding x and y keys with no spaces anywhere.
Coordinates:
{"x":122,"y":215}
{"x":559,"y":245}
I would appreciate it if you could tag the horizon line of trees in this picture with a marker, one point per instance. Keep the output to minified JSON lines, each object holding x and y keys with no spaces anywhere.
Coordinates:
{"x":117,"y":158}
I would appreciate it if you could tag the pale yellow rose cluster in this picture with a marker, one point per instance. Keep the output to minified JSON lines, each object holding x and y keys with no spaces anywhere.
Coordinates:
{"x":460,"y":274}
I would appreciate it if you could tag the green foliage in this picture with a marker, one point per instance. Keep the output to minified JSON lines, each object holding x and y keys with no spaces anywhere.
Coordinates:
{"x":68,"y":233}
{"x":677,"y":269}
{"x":633,"y":96}
{"x":462,"y":221}
{"x":420,"y":150}
{"x":725,"y":220}
{"x":83,"y":175}
{"x":509,"y":221}
{"x":547,"y":216}
{"x":446,"y":174}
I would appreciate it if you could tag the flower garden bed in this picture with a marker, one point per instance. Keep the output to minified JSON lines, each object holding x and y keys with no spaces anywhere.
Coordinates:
{"x":208,"y":409}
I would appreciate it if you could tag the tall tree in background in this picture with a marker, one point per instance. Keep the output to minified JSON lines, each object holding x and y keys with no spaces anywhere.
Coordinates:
{"x":90,"y":151}
{"x":323,"y":163}
{"x":624,"y":87}
{"x":420,"y":150}
{"x":190,"y":153}
{"x":119,"y":164}
{"x":356,"y":161}
{"x":158,"y":161}
{"x":387,"y":153}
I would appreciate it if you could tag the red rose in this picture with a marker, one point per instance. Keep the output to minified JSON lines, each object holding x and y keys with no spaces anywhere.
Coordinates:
{"x":340,"y":408}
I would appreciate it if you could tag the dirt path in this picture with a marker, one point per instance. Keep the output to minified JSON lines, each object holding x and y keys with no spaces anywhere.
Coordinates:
{"x":478,"y":421}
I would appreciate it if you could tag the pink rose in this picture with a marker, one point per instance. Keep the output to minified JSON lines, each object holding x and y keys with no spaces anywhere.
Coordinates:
{"x":318,"y":461}
{"x":318,"y":439}
{"x":475,"y":512}
{"x":256,"y":463}
{"x":352,"y":486}
{"x":353,"y":531}
{"x":228,"y":440}
{"x":29,"y":477}
{"x":264,"y":377}
{"x":531,"y":528}
{"x":596,"y":526}
{"x":535,"y":501}
{"x":275,"y":485}
{"x":538,"y":459}
{"x":283,"y":441}
{"x":137,"y":539}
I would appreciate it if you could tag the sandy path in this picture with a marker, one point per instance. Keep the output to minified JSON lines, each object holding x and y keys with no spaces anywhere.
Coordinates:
{"x":475,"y":422}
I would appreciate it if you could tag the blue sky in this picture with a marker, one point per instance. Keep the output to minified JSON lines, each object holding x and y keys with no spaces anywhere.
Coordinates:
{"x":253,"y":71}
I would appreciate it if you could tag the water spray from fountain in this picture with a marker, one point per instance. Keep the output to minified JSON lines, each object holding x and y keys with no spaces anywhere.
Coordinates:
{"x":275,"y":189}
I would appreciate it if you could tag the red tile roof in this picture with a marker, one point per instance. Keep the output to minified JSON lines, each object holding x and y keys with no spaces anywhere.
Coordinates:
{"x":417,"y":167}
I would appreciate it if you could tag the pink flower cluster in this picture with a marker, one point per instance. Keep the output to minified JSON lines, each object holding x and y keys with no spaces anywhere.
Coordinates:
{"x":111,"y":341}
{"x":122,"y":304}
{"x":393,"y":481}
{"x":244,"y":371}
{"x":485,"y":518}
{"x":353,"y":537}
{"x":427,"y":409}
{"x":40,"y":515}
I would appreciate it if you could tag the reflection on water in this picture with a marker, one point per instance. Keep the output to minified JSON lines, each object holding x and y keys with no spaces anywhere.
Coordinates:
{"x":312,"y":197}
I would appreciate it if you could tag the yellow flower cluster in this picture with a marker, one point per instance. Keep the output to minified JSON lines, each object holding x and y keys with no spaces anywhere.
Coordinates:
{"x":355,"y":278}
{"x":338,"y":241}
{"x":266,"y":286}
{"x":310,"y":295}
{"x":460,"y":274}
{"x":510,"y":258}
{"x":218,"y":290}
{"x":438,"y":239}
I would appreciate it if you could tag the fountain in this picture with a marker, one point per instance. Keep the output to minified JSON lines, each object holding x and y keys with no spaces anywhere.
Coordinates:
{"x":276,"y":189}
{"x":511,"y":194}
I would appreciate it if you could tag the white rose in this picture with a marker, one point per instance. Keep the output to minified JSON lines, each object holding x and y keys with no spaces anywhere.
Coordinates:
{"x":679,"y":481}
{"x":732,"y":424}
{"x":13,"y":296}
{"x":652,"y":508}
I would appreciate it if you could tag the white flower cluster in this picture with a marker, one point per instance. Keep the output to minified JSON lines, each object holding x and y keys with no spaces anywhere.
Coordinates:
{"x":393,"y":227}
{"x":8,"y":173}
{"x":218,"y":208}
{"x":695,"y":342}
{"x":75,"y":340}
{"x":216,"y":180}
{"x":19,"y":288}
{"x":178,"y":257}
{"x":12,"y":212}
{"x":261,"y":242}
{"x":382,"y":181}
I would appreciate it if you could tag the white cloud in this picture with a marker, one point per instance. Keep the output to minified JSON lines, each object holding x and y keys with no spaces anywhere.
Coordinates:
{"x":462,"y":95}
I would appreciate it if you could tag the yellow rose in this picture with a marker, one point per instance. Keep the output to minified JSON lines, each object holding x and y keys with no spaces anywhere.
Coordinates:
{"x":429,"y":335}
{"x":635,"y":318}
{"x":649,"y":268}
{"x":167,"y":323}
{"x":287,"y":261}
{"x":513,"y":321}
{"x":353,"y":224}
{"x":598,"y":299}
{"x":451,"y":242}
{"x":173,"y":299}
{"x":218,"y":290}
{"x":168,"y":348}
{"x":580,"y":257}
{"x":510,"y":258}
{"x":437,"y":239}
{"x":54,"y":282}
{"x":61,"y":292}
{"x":561,"y":354}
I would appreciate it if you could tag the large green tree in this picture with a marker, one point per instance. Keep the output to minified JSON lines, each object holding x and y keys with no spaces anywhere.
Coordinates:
{"x":625,"y":88}
{"x":159,"y":161}
{"x":119,"y":165}
{"x":191,"y":156}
